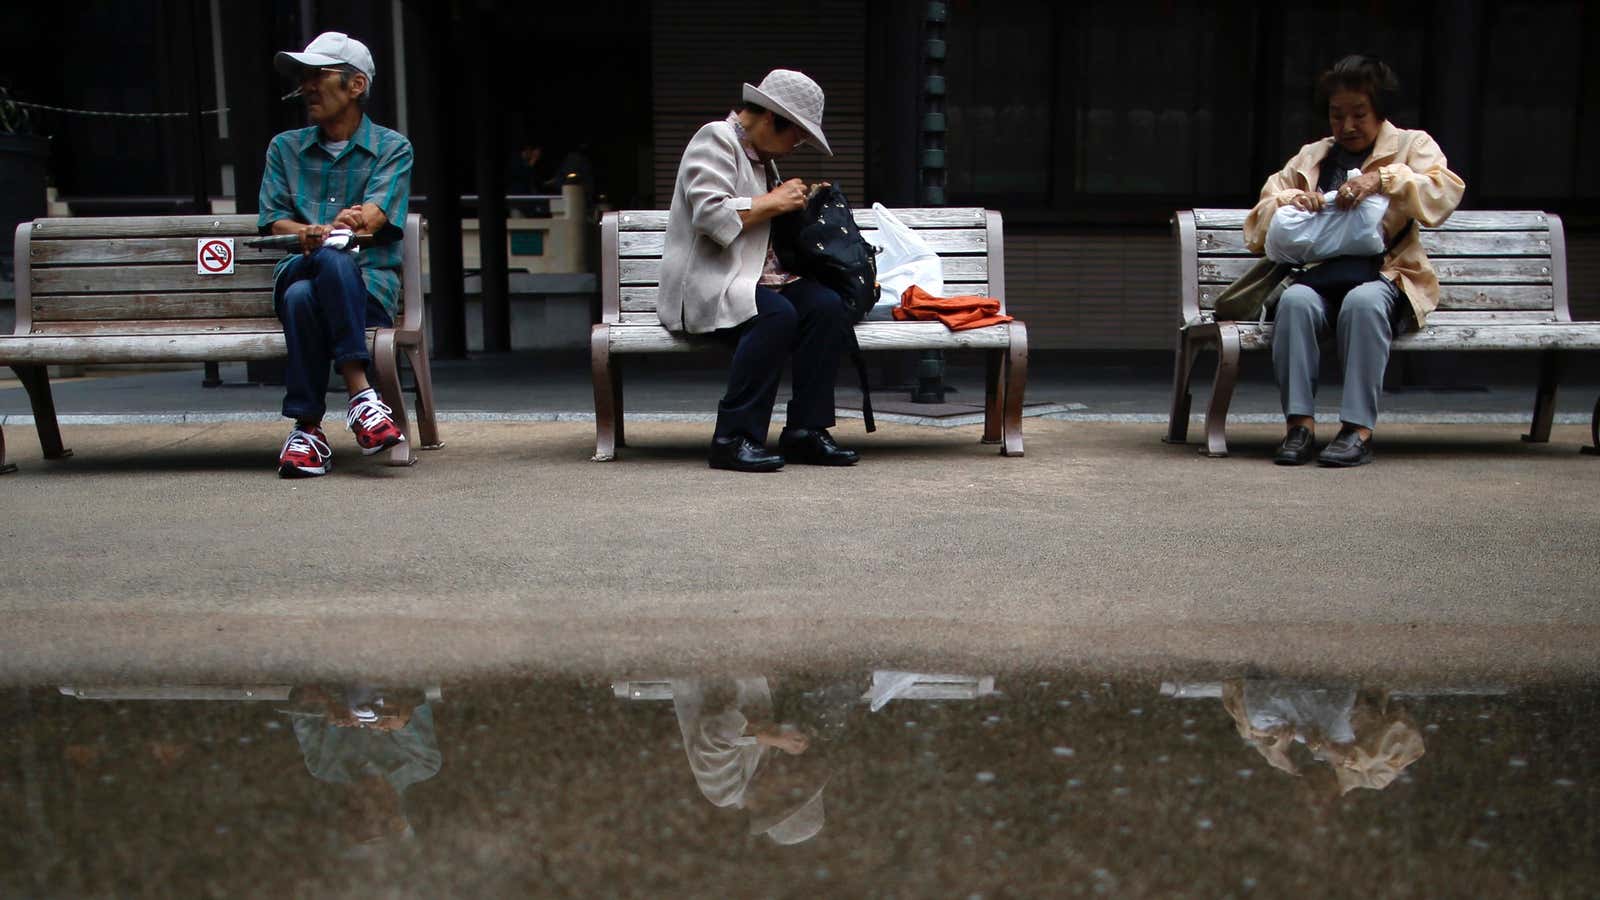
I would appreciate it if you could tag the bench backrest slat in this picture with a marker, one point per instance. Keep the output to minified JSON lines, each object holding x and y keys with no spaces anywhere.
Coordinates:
{"x":141,"y":270}
{"x":632,"y":241}
{"x":1494,"y":267}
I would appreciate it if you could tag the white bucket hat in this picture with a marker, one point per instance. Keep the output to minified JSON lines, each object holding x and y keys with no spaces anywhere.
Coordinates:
{"x":330,"y":48}
{"x":794,"y":96}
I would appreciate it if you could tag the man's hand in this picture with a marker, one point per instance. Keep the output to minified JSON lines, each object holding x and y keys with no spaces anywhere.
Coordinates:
{"x":353,"y":218}
{"x":311,"y":237}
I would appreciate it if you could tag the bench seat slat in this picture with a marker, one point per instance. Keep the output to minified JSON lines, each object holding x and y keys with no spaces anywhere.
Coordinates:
{"x":110,"y":349}
{"x":145,"y":226}
{"x":101,"y":307}
{"x":158,"y":326}
{"x":134,"y":251}
{"x":1552,"y":336}
{"x":1214,"y":243}
{"x":1463,"y":220}
{"x":647,"y":271}
{"x":1454,"y":296}
{"x":652,"y":243}
{"x":1224,"y":269}
{"x":145,"y":279}
{"x":643,"y":299}
{"x":871,"y":336}
{"x":969,"y":217}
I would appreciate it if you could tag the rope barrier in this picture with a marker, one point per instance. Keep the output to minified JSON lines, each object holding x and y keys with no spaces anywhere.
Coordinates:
{"x":112,"y":115}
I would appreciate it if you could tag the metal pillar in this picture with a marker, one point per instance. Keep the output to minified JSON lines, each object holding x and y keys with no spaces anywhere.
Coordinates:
{"x":490,"y":139}
{"x":446,"y":302}
{"x":930,"y":387}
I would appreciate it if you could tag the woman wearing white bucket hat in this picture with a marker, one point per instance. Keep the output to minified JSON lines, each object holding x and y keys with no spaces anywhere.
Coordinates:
{"x":720,"y":276}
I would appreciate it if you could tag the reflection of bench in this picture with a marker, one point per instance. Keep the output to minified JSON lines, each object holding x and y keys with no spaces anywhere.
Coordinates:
{"x":886,"y":686}
{"x":968,"y":241}
{"x":432,"y":692}
{"x":104,"y":291}
{"x":1503,"y":286}
{"x":1212,"y":690}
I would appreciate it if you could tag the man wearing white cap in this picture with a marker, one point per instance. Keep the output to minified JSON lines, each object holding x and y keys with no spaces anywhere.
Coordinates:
{"x":342,"y":172}
{"x":721,"y":276}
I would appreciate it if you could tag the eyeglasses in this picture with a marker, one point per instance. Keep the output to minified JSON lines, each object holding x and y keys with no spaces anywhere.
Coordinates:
{"x":319,"y":73}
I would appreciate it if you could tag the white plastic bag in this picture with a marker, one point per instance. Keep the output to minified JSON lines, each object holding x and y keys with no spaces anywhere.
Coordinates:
{"x":904,"y":259}
{"x":1298,"y":237}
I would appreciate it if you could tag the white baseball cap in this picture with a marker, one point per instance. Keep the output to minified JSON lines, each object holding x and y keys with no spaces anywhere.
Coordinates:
{"x":330,"y":48}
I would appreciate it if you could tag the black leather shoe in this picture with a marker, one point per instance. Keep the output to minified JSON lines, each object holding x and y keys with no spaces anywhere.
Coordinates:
{"x":741,"y":454}
{"x":1346,"y":450}
{"x":1297,"y":449}
{"x":814,"y":446}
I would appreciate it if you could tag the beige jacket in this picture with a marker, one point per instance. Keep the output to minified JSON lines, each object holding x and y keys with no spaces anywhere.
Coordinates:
{"x":710,"y":264}
{"x":1419,"y":184}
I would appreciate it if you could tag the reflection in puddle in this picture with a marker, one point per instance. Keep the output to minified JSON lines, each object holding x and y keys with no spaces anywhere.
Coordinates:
{"x":845,"y":783}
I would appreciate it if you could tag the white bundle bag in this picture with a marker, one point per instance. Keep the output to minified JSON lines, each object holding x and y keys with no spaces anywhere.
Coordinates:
{"x":1298,"y":237}
{"x":904,"y":259}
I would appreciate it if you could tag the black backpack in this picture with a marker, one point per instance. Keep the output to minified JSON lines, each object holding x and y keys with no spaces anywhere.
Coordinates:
{"x":822,"y":242}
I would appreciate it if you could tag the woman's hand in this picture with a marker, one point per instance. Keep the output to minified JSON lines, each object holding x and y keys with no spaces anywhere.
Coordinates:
{"x":786,"y":197}
{"x":1303,"y":200}
{"x":1358,"y":189}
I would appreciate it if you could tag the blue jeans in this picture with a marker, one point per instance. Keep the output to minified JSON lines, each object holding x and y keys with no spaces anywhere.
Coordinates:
{"x":325,"y":310}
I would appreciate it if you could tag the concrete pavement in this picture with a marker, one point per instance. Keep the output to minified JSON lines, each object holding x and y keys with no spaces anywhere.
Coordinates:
{"x":174,"y":548}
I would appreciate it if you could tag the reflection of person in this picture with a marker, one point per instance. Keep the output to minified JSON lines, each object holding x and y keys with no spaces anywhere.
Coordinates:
{"x":344,"y":171}
{"x":721,"y":276}
{"x":375,"y":743}
{"x":1356,"y":733}
{"x":728,"y":731}
{"x":1365,"y":307}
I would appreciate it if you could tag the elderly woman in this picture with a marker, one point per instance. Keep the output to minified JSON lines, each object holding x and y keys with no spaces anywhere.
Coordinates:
{"x":1407,"y":167}
{"x":721,"y":276}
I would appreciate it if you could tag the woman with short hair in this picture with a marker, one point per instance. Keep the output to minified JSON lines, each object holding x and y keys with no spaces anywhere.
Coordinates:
{"x":721,"y":276}
{"x":1384,"y":294}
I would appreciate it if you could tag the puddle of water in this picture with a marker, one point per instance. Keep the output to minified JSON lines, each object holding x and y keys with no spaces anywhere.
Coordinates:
{"x":845,"y":783}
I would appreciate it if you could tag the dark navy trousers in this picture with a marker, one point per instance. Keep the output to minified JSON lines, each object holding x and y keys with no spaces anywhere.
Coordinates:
{"x":802,"y":321}
{"x":325,"y":310}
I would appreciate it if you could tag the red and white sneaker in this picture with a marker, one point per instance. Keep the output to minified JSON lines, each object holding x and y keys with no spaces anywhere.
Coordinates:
{"x":305,"y":454}
{"x":369,"y":420}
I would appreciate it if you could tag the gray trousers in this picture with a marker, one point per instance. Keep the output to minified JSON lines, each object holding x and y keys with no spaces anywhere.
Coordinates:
{"x":1364,"y":329}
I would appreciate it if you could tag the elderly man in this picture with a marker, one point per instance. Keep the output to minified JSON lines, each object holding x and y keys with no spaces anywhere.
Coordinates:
{"x":342,"y":172}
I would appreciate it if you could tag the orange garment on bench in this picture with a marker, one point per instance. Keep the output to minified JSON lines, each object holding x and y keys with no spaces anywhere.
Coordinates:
{"x":957,"y":313}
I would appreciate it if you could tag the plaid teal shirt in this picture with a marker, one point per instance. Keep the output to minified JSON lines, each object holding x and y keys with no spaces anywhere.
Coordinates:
{"x":303,"y":182}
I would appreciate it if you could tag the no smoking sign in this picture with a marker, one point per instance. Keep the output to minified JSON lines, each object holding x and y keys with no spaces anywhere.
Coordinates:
{"x":214,"y":256}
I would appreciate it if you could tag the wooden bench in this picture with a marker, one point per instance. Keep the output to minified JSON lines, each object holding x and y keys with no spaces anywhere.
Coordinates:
{"x":93,"y":291}
{"x":1503,"y":286}
{"x":968,"y":241}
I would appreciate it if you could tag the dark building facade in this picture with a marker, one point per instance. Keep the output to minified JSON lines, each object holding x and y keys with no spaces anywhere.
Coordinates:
{"x":1087,"y":124}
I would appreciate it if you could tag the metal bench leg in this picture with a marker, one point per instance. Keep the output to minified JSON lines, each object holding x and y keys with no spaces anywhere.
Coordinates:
{"x":387,"y":367}
{"x":993,"y":397}
{"x":1222,"y":392}
{"x":606,"y":394}
{"x":1016,"y":386}
{"x":37,"y":381}
{"x":1544,"y":401}
{"x":5,"y":467}
{"x":1182,"y":398}
{"x":427,"y":425}
{"x":618,"y":373}
{"x":1594,"y":433}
